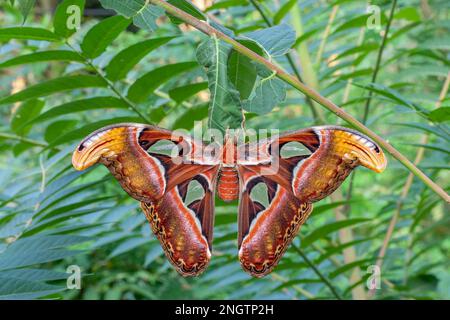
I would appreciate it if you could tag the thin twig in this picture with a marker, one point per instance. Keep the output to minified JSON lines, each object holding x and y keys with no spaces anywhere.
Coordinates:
{"x":299,"y":289}
{"x":89,"y":63}
{"x":369,"y":98}
{"x":317,"y":272}
{"x":23,"y":139}
{"x":326,"y":33}
{"x":407,"y":187}
{"x":379,"y":58}
{"x":313,"y":94}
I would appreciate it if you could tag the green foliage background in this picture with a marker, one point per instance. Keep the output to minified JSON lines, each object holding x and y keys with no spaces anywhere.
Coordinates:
{"x":57,"y":85}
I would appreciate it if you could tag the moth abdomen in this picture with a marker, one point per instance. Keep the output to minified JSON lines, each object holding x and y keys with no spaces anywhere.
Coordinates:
{"x":228,"y":184}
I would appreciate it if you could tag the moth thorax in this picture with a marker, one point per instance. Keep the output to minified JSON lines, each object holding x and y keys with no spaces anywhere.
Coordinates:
{"x":228,"y":184}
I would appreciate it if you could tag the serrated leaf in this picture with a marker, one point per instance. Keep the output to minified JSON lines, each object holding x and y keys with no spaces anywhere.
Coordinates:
{"x":275,"y":40}
{"x":225,"y":107}
{"x":27,"y":33}
{"x":268,"y":94}
{"x":182,"y":93}
{"x":145,"y":85}
{"x":100,"y":36}
{"x":42,"y":56}
{"x":55,"y":85}
{"x":67,"y":15}
{"x":80,"y":106}
{"x":126,"y":59}
{"x":26,"y":111}
{"x":241,"y":73}
{"x":323,"y":231}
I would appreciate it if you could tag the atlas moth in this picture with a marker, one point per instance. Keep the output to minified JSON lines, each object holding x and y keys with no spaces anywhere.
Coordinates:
{"x":185,"y":227}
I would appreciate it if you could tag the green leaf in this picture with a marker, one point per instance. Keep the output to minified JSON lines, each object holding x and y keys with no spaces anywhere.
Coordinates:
{"x":275,"y":40}
{"x":128,"y":245}
{"x":42,"y":56}
{"x":15,"y":259}
{"x":187,"y":119}
{"x":126,"y":59}
{"x":145,"y":85}
{"x":146,"y":18}
{"x":45,"y":242}
{"x":81,"y":105}
{"x":268,"y":94}
{"x":285,"y":8}
{"x":18,"y":289}
{"x":182,"y":93}
{"x":27,"y":33}
{"x":127,"y":8}
{"x":80,"y":133}
{"x":67,"y":17}
{"x":408,"y":13}
{"x":188,"y":7}
{"x":226,"y":4}
{"x":394,"y":96}
{"x":38,"y":249}
{"x":144,"y":15}
{"x":56,"y":129}
{"x":323,"y":231}
{"x":55,"y":85}
{"x":436,"y":130}
{"x":25,"y":7}
{"x":33,"y":274}
{"x":242,"y":73}
{"x":350,"y":266}
{"x":225,"y":109}
{"x":366,"y":47}
{"x":154,"y":253}
{"x":441,"y":114}
{"x":100,"y":36}
{"x":22,"y":115}
{"x":359,"y":21}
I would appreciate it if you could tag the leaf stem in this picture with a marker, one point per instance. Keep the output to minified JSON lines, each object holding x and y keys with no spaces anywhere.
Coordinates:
{"x":313,"y":94}
{"x":22,"y":139}
{"x":378,"y":61}
{"x":319,"y":274}
{"x":111,"y":86}
{"x":299,"y":289}
{"x":369,"y":98}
